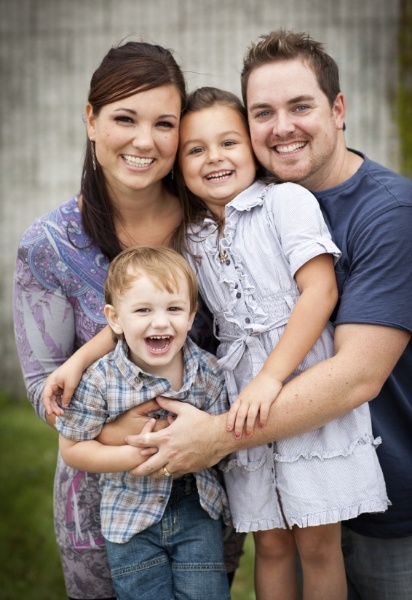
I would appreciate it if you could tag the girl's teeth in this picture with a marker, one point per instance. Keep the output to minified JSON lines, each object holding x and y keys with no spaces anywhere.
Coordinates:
{"x":219,"y":176}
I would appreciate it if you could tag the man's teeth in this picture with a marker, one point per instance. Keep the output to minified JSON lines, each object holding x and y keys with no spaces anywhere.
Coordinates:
{"x":221,"y":175}
{"x":135,"y":161}
{"x":289,"y":147}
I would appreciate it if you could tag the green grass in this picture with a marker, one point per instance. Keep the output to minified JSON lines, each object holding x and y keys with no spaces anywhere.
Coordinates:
{"x":29,"y":559}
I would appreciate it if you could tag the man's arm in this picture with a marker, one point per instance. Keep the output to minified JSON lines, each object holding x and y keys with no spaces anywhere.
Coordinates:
{"x":365,"y":356}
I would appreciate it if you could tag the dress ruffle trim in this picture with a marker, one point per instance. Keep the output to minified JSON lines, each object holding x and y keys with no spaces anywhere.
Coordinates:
{"x":336,"y":515}
{"x":244,"y":458}
{"x":333,"y":453}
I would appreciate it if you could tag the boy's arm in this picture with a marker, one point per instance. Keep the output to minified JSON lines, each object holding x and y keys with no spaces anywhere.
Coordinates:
{"x":94,"y":457}
{"x":60,"y":384}
{"x":317,"y":285}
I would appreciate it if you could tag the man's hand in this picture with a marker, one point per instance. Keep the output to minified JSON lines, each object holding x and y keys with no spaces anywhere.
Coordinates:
{"x":191,"y":443}
{"x":131,"y":422}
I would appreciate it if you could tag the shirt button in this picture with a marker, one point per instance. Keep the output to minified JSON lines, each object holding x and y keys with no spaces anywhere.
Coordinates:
{"x":137,"y":379}
{"x":238,"y":295}
{"x":247,"y":320}
{"x":160,"y":498}
{"x":228,"y":262}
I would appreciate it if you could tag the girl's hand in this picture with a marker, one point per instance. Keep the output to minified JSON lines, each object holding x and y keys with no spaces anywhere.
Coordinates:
{"x":59,"y":387}
{"x":255,"y":399}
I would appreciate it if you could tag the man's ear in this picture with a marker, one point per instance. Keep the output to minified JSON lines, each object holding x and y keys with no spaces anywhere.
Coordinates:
{"x":112,"y":318}
{"x":339,"y":111}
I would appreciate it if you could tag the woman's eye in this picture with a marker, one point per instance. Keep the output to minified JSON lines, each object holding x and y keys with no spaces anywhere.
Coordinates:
{"x":228,"y":143}
{"x":166,"y":124}
{"x":175,"y":309}
{"x":123,"y":119}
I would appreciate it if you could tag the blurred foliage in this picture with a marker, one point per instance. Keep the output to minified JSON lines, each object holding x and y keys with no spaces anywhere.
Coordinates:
{"x":404,"y":103}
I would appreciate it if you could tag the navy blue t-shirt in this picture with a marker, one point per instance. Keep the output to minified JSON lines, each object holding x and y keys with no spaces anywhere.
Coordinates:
{"x":370,"y":218}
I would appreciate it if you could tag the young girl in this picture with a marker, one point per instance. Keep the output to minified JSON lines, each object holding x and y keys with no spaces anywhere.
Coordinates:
{"x":264,"y":260}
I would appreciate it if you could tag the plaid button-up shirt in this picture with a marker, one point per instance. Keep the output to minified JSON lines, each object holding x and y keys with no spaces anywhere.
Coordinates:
{"x":112,"y":385}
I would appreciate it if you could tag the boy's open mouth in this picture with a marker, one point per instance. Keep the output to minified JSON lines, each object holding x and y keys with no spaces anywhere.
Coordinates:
{"x":158,"y":343}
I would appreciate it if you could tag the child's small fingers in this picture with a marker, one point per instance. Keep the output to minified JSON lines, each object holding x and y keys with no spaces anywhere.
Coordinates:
{"x":263,"y":415}
{"x":240,"y":419}
{"x":231,"y":416}
{"x":251,"y":420}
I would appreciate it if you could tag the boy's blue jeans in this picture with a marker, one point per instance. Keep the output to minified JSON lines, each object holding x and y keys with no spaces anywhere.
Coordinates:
{"x":179,"y":558}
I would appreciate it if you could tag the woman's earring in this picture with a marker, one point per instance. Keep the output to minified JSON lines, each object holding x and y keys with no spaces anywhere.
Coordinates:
{"x":93,"y":155}
{"x":172,"y":174}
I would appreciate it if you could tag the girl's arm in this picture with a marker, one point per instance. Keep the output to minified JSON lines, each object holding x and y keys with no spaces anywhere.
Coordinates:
{"x":319,"y":294}
{"x":60,"y":384}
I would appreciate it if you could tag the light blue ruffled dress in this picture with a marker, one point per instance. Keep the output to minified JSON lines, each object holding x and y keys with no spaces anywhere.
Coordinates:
{"x":247,"y":280}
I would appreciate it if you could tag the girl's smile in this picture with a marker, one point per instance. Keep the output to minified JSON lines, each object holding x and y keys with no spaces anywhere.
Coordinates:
{"x":215,"y":155}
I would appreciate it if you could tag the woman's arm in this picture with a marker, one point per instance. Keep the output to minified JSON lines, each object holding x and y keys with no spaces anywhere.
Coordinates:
{"x":44,"y":326}
{"x":319,"y":293}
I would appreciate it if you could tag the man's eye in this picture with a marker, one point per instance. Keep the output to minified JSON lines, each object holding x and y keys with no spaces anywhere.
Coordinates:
{"x":301,"y":108}
{"x":263,"y":114}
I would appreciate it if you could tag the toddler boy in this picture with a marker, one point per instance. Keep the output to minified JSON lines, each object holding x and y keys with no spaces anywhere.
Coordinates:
{"x":163,"y":536}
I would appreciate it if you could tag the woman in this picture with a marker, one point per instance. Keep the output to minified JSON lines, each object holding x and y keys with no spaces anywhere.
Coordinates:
{"x":127,"y":198}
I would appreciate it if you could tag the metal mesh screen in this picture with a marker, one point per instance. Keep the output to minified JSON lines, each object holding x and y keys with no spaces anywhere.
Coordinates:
{"x":49,"y":49}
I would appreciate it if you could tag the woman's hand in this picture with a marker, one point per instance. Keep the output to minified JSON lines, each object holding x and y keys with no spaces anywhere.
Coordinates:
{"x":59,"y":387}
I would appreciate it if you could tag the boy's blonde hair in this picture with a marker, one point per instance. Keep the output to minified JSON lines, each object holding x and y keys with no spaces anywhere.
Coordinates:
{"x":164,"y":266}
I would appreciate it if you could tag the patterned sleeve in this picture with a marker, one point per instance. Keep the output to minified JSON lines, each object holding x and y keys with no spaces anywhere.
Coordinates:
{"x":43,"y":319}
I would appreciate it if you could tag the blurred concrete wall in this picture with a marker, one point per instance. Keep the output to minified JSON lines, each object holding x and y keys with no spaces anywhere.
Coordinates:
{"x":49,"y":49}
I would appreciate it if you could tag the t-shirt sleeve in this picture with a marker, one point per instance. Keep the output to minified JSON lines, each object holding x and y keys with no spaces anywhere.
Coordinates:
{"x":375,"y":282}
{"x":298,"y":220}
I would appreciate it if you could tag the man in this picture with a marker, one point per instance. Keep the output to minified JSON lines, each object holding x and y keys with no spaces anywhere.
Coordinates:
{"x":296,"y":116}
